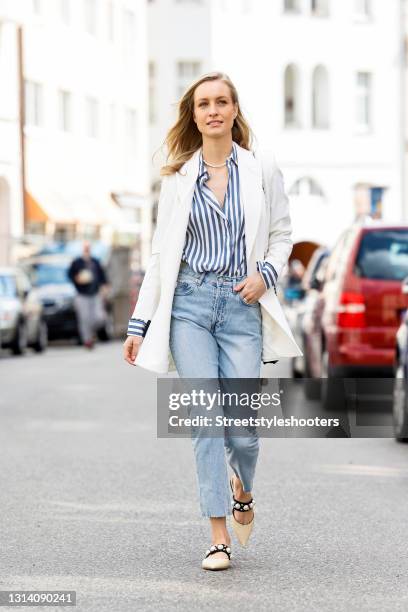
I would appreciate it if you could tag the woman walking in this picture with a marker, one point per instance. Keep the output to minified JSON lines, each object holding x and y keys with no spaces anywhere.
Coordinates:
{"x":208,"y":304}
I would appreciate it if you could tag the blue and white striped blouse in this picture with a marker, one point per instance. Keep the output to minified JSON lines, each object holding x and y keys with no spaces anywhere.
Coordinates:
{"x":215,"y":237}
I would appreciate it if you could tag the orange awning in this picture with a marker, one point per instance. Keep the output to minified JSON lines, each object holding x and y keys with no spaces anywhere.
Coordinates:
{"x":48,"y":206}
{"x":97,"y":209}
{"x":34,"y":212}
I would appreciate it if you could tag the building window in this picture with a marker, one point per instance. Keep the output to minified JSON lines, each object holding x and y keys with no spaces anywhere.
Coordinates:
{"x":131,"y":130}
{"x":187,"y":72}
{"x":152,"y":92}
{"x":362,"y":9}
{"x":291,"y":6}
{"x":33,"y":103}
{"x":92,"y":117}
{"x":110,"y":18}
{"x":291,"y":87}
{"x":306,"y":186}
{"x":368,"y":200}
{"x":363,"y":100}
{"x":90,"y":16}
{"x":320,"y":8}
{"x":37,"y":6}
{"x":65,"y":110}
{"x":65,"y":10}
{"x":129,"y":32}
{"x":320,"y":98}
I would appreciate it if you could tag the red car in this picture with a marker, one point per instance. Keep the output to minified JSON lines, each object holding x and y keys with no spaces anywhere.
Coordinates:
{"x":351,"y":331}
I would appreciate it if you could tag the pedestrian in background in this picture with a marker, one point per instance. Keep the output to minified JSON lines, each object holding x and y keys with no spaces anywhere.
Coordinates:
{"x":91,"y":284}
{"x":293,"y":282}
{"x":223,"y":236}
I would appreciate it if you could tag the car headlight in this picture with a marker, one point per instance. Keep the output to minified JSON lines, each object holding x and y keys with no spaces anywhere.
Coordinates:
{"x":7,"y":314}
{"x":66,"y":300}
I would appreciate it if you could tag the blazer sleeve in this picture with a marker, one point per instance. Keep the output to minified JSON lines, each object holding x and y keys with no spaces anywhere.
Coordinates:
{"x":280,"y":242}
{"x":149,"y":292}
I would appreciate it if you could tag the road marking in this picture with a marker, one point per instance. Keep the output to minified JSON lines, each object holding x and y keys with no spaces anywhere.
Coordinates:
{"x":364,"y":470}
{"x":81,"y":425}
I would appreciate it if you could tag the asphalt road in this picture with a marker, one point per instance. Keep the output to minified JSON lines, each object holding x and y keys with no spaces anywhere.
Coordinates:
{"x":92,"y":501}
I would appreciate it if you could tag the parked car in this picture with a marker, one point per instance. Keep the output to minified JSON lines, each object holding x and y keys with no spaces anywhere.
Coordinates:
{"x":22,"y":321}
{"x":400,"y":394}
{"x":352,"y":329}
{"x":48,"y":273}
{"x":299,"y":308}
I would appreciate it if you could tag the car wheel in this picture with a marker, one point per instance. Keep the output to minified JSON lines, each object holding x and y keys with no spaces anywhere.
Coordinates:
{"x":334,"y":399}
{"x":311,"y":386}
{"x":329,"y":385}
{"x":400,"y":406}
{"x":19,"y":344}
{"x":42,"y":337}
{"x":296,"y":370}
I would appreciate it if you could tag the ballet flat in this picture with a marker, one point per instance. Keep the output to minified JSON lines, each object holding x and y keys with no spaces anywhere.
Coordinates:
{"x":241,"y":531}
{"x":211,"y":563}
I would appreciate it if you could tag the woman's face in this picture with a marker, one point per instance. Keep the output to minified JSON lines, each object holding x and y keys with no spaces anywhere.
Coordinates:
{"x":214,"y":110}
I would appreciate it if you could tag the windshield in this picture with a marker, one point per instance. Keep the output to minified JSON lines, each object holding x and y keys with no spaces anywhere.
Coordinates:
{"x":383,"y":254}
{"x":7,"y":286}
{"x":45,"y":274}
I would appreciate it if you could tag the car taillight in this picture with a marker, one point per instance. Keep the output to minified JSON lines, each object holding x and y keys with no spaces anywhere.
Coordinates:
{"x":351,"y":310}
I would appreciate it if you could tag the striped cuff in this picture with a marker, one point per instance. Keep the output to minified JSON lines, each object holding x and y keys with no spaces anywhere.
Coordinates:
{"x":268,"y":273}
{"x":137,"y":327}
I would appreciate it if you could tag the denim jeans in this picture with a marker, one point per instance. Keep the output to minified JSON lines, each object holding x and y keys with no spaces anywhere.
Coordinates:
{"x":215,"y":335}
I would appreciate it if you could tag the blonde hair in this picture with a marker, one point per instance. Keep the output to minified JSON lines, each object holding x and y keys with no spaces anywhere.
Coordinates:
{"x":184,"y":138}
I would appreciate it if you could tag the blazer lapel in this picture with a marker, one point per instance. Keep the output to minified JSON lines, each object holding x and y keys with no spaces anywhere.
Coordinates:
{"x":185,"y":184}
{"x":186,"y":179}
{"x":250,"y":180}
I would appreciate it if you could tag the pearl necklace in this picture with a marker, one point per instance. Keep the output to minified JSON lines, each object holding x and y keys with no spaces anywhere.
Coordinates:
{"x":215,"y":165}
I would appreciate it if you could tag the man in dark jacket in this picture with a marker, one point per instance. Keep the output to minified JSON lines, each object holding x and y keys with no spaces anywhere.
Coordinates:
{"x":89,"y":279}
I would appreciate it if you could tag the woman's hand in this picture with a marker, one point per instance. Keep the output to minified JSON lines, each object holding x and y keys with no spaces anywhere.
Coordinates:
{"x":252,"y":288}
{"x":131,"y":348}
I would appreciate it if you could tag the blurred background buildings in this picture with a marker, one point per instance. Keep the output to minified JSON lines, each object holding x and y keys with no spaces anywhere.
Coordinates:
{"x":90,"y":87}
{"x":322,"y":84}
{"x":73,"y":112}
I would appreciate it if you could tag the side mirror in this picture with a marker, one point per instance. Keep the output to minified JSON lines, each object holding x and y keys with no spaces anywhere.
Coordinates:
{"x":404,"y":286}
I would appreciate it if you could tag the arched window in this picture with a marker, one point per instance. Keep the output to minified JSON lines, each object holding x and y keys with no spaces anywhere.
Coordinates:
{"x":306,"y":186}
{"x":291,"y":6}
{"x":320,"y":98}
{"x":310,"y":211}
{"x":362,"y":9}
{"x":291,"y":86}
{"x":320,"y":8}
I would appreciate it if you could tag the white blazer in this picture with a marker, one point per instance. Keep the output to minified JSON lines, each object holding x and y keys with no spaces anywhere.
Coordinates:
{"x":267,"y":235}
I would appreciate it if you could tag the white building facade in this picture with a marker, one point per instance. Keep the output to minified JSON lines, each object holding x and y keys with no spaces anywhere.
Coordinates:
{"x":321,"y":81}
{"x":11,"y":192}
{"x":320,"y":84}
{"x":86,"y":109}
{"x":180,"y":50}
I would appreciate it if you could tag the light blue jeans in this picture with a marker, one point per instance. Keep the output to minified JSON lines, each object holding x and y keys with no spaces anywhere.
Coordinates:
{"x":215,"y":335}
